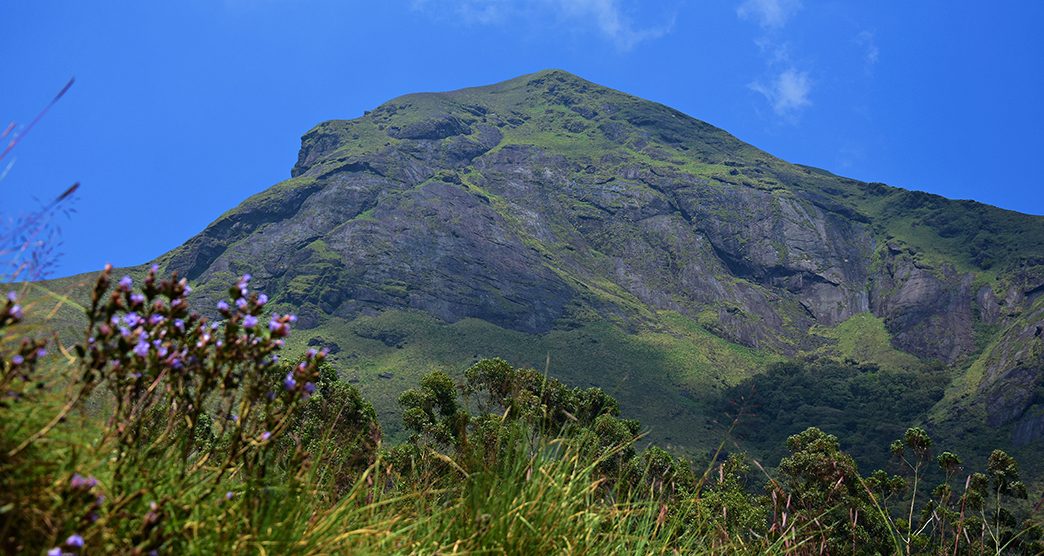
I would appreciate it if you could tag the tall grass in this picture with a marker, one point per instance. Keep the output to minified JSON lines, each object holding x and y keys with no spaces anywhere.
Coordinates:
{"x":164,"y":433}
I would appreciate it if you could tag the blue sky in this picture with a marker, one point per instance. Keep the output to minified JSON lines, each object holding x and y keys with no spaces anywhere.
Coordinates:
{"x":182,"y":109}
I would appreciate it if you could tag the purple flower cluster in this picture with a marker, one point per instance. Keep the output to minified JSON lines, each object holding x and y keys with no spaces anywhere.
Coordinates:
{"x":302,"y":377}
{"x":16,"y":377}
{"x":74,"y":541}
{"x":81,"y":491}
{"x":148,"y":348}
{"x":280,"y":325}
{"x":12,"y":311}
{"x":80,"y":482}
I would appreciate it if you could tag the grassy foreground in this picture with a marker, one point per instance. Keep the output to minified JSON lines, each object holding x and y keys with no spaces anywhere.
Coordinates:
{"x":162,"y":433}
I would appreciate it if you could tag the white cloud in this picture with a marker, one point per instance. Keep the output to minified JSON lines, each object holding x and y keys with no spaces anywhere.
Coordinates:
{"x":481,"y":12}
{"x":788,"y":89}
{"x":606,"y":17}
{"x":788,"y":93}
{"x":871,"y":53}
{"x":609,"y":20}
{"x":770,"y":14}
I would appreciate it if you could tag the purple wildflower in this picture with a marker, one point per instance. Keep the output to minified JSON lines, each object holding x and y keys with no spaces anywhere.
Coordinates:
{"x":74,"y":540}
{"x":229,"y":495}
{"x":124,"y":331}
{"x":249,"y":321}
{"x":155,"y":319}
{"x":222,"y":306}
{"x":265,"y":436}
{"x":179,"y":324}
{"x":142,"y":349}
{"x":56,"y":551}
{"x":262,"y":299}
{"x":289,"y":383}
{"x":12,"y":296}
{"x":278,"y":328}
{"x":16,"y":312}
{"x":17,"y":360}
{"x":79,"y":481}
{"x":311,"y":353}
{"x":309,"y":387}
{"x":126,"y":283}
{"x":137,"y":299}
{"x":241,"y":303}
{"x":40,"y":353}
{"x":132,"y":319}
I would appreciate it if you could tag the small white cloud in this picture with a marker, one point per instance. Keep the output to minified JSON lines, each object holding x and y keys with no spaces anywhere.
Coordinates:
{"x":606,"y":17}
{"x":610,"y":21}
{"x":770,"y":14}
{"x":480,"y":12}
{"x":871,"y":53}
{"x":788,"y":93}
{"x":774,"y":52}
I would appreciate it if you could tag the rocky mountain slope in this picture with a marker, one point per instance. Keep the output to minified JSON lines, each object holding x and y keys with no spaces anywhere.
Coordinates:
{"x":622,"y":243}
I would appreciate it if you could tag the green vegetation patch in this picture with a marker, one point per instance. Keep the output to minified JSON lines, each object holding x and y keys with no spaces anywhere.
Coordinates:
{"x":863,"y":338}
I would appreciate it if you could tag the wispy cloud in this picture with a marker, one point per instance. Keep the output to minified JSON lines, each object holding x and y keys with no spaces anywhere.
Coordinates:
{"x":787,"y":93}
{"x":769,"y":14}
{"x":785,"y":87}
{"x":610,"y":21}
{"x":480,"y":12}
{"x":865,"y":39}
{"x":605,"y":17}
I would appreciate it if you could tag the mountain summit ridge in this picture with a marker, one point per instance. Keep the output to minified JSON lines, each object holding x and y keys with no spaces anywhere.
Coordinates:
{"x":547,"y":203}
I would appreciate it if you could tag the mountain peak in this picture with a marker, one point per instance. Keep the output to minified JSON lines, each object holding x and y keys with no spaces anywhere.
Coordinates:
{"x":548,"y":203}
{"x":550,"y":105}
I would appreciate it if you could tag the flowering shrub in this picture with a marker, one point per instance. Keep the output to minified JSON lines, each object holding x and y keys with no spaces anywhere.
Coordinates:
{"x":180,"y":398}
{"x":164,"y":365}
{"x":17,"y":370}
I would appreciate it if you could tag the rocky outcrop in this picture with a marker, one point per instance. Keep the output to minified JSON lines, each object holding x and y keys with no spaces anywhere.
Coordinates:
{"x":1013,"y":372}
{"x":918,"y":302}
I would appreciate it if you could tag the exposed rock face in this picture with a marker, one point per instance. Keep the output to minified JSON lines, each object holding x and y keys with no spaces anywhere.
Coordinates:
{"x":917,"y":302}
{"x":1013,"y":377}
{"x":546,"y":198}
